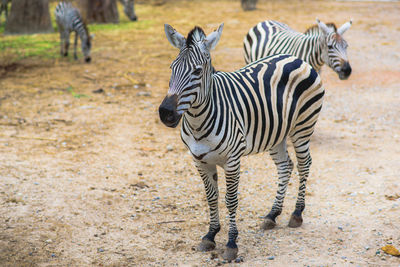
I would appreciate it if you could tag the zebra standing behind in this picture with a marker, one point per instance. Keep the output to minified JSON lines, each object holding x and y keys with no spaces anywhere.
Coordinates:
{"x":227,"y":115}
{"x":319,"y":45}
{"x":4,"y":7}
{"x":69,"y":20}
{"x":129,"y":9}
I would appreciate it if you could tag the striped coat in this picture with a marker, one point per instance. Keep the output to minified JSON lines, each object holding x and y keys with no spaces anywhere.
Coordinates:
{"x":227,"y":115}
{"x":69,"y":20}
{"x":319,"y":45}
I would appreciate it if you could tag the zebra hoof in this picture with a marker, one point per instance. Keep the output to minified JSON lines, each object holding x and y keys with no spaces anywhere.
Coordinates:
{"x":230,"y":254}
{"x":206,"y":245}
{"x":295,"y":221}
{"x":268,"y":224}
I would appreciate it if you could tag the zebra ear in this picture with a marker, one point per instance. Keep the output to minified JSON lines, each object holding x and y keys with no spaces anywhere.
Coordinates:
{"x":344,"y":27}
{"x":174,"y":37}
{"x":213,"y":38}
{"x":323,"y":27}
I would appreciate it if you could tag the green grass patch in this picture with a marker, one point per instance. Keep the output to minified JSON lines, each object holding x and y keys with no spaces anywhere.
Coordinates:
{"x":70,"y":89}
{"x":122,"y":25}
{"x":24,"y":46}
{"x":46,"y":46}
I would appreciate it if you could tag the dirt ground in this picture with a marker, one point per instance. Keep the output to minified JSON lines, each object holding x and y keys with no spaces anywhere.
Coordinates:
{"x":94,"y":179}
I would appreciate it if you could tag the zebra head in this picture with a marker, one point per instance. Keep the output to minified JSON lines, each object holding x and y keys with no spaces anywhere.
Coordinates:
{"x":86,"y":44}
{"x":191,"y":73}
{"x":129,"y":9}
{"x":334,"y":52}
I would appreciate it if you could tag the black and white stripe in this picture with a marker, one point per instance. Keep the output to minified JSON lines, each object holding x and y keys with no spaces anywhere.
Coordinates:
{"x":69,"y":20}
{"x":227,"y":115}
{"x":319,"y":45}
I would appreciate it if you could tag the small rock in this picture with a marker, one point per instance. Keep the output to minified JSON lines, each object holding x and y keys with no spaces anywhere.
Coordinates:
{"x":170,"y":148}
{"x":271,"y":258}
{"x":143,"y":93}
{"x":100,"y":250}
{"x":340,"y":228}
{"x":239,"y":259}
{"x":49,"y":241}
{"x":98,"y":91}
{"x":35,"y":183}
{"x":86,"y":107}
{"x":53,"y":255}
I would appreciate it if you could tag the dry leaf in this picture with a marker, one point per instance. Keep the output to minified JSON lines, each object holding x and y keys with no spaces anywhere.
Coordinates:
{"x":389,"y":249}
{"x":390,"y":197}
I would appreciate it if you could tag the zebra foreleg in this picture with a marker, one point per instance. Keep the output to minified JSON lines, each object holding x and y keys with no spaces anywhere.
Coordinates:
{"x":284,"y":165}
{"x":75,"y":45}
{"x":232,"y":173}
{"x":61,"y":43}
{"x":303,"y":166}
{"x":209,"y":176}
{"x":66,"y":43}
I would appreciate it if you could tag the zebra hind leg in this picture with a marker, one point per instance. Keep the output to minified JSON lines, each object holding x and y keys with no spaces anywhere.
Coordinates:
{"x":303,"y":166}
{"x":209,"y":176}
{"x":284,"y":165}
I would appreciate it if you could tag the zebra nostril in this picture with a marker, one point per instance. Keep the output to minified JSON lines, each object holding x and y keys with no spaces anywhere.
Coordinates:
{"x":166,"y":114}
{"x":347,"y":70}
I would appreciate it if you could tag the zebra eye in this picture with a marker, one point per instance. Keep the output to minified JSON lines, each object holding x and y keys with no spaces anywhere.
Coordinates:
{"x":197,"y":72}
{"x":330,"y":46}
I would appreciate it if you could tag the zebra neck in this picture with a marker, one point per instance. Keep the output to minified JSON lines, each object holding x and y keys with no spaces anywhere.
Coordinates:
{"x":316,"y":60}
{"x":199,"y":114}
{"x":83,"y":34}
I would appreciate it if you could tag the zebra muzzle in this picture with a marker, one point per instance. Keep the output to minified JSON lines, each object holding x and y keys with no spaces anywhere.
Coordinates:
{"x":345,"y":71}
{"x":167,"y":111}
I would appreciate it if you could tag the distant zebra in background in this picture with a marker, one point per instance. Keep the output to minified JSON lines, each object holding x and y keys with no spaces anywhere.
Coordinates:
{"x":4,"y":7}
{"x":69,"y":20}
{"x":319,"y":45}
{"x":129,"y":9}
{"x":227,"y":115}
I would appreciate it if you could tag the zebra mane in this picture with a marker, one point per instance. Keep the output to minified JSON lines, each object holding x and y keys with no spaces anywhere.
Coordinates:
{"x":195,"y":35}
{"x":315,"y":29}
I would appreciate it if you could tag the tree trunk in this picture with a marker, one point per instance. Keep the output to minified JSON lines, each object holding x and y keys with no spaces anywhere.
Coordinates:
{"x":248,"y":5}
{"x":28,"y":17}
{"x":100,"y":11}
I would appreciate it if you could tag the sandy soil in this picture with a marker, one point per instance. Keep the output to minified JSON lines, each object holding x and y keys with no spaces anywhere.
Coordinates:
{"x":97,"y":180}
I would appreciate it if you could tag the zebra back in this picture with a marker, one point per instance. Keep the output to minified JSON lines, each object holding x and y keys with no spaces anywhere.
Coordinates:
{"x":273,"y":98}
